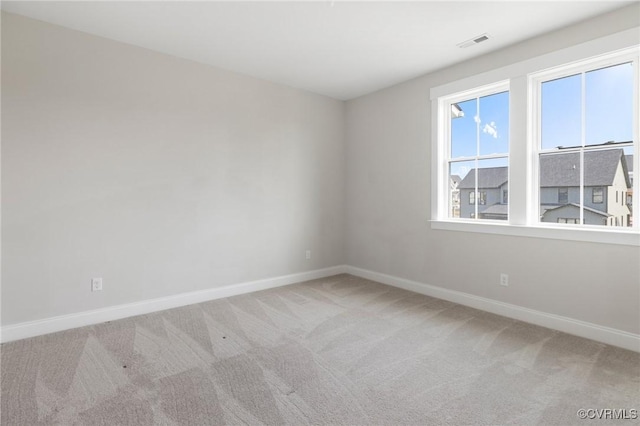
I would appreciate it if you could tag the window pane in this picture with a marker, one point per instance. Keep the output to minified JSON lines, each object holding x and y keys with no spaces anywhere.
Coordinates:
{"x":561,"y":115}
{"x":597,"y":195}
{"x":494,"y":124}
{"x":560,"y":187}
{"x":609,"y":104}
{"x":458,"y":170}
{"x":464,"y":129}
{"x":563,"y":195}
{"x":492,"y":180}
{"x":606,"y":175}
{"x":481,"y":197}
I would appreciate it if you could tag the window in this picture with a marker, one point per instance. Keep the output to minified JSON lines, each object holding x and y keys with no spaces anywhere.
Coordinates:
{"x":563,"y":195}
{"x":585,"y":129}
{"x":481,"y":196}
{"x":597,"y":195}
{"x":478,"y":149}
{"x":570,"y":132}
{"x":572,"y":220}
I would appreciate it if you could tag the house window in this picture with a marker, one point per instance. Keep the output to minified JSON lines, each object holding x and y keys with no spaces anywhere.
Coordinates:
{"x":480,"y":195}
{"x":585,"y":128}
{"x":563,"y":195}
{"x":597,"y":195}
{"x":571,"y":220}
{"x":567,"y":127}
{"x":477,"y":147}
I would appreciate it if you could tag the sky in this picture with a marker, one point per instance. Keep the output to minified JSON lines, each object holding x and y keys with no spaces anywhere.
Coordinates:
{"x":484,"y":128}
{"x":608,"y":96}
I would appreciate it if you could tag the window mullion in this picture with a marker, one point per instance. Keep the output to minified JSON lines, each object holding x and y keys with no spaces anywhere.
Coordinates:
{"x":477,"y":185}
{"x":583,"y":113}
{"x":636,"y":139}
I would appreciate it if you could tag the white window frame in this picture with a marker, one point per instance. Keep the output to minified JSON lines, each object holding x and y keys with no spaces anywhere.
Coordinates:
{"x":535,"y":85}
{"x":445,"y":107}
{"x":523,"y":158}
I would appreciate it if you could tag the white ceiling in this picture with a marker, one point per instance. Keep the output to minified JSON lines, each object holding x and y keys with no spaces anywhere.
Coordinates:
{"x":339,"y":49}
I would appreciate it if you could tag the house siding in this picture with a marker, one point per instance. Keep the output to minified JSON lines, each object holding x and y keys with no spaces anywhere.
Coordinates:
{"x":618,"y":209}
{"x":573,"y":212}
{"x":494,"y":196}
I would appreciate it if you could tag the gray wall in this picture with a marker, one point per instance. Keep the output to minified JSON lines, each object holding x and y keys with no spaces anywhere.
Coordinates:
{"x":158,"y":174}
{"x":550,"y":196}
{"x":165,"y":176}
{"x":388,"y":207}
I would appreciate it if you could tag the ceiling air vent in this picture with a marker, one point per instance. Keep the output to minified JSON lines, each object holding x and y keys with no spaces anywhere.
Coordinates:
{"x":475,"y":40}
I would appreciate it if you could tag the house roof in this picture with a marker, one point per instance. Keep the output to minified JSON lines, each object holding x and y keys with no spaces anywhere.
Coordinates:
{"x":490,"y":177}
{"x":629,"y":159}
{"x":563,"y":169}
{"x":560,"y":169}
{"x":496,"y":209}
{"x":577,"y":206}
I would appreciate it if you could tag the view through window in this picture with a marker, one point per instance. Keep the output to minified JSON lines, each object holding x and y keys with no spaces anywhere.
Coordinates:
{"x":479,"y":157}
{"x":542,"y":147}
{"x":586,"y":147}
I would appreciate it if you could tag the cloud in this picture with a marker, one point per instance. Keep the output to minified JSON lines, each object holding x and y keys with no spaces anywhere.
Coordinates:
{"x":476,"y":119}
{"x":491,"y":129}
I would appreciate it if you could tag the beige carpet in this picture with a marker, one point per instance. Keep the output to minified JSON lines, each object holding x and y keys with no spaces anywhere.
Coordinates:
{"x":339,"y":350}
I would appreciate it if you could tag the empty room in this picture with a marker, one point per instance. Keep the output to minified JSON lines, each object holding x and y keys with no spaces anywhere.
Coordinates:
{"x":325,"y":213}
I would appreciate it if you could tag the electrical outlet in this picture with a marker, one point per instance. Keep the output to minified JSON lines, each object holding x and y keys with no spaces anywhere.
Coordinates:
{"x":96,"y":284}
{"x":504,"y":280}
{"x":308,"y":254}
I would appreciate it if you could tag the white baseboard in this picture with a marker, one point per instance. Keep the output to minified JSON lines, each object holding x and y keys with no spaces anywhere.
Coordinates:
{"x":65,"y":322}
{"x":585,"y":329}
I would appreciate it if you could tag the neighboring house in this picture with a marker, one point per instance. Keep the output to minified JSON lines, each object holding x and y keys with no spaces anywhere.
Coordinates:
{"x":629,"y":160}
{"x":607,"y":189}
{"x":454,"y":181}
{"x":492,"y":195}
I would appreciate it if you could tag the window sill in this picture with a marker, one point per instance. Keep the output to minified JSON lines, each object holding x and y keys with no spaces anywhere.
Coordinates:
{"x":593,"y":235}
